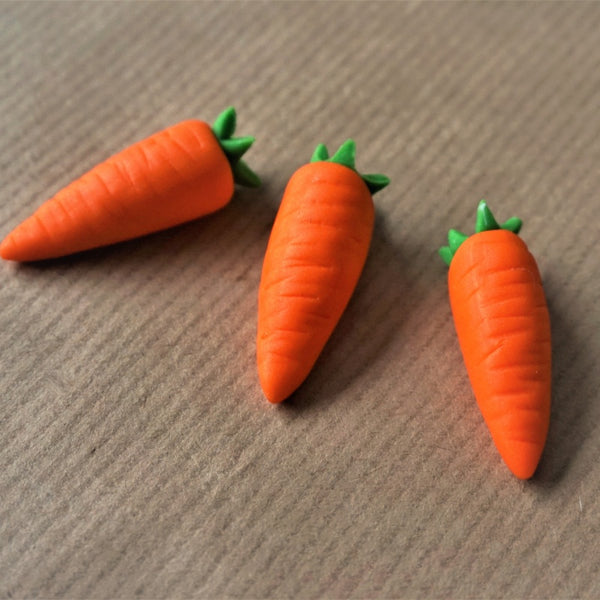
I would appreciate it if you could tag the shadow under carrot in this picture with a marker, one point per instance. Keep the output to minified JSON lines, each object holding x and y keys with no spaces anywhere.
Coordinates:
{"x":573,"y":392}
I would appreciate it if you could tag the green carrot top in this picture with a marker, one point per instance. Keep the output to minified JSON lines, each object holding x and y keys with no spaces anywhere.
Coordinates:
{"x":485,"y":222}
{"x":346,"y":156}
{"x":234,"y":148}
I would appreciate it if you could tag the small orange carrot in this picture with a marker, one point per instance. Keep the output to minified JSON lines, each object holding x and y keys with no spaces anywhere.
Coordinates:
{"x":503,"y":328}
{"x":316,"y":252}
{"x":176,"y":175}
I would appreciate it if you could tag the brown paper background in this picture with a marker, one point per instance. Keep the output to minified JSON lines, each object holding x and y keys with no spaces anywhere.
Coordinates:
{"x":137,"y":454}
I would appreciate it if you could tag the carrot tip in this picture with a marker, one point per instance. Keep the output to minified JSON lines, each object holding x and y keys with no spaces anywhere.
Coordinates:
{"x":7,"y":248}
{"x":276,"y":391}
{"x":522,"y":458}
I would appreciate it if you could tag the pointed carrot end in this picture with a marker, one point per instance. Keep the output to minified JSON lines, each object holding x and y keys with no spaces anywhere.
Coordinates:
{"x":20,"y":247}
{"x":29,"y":242}
{"x":522,"y":458}
{"x":276,"y":387}
{"x":274,"y":398}
{"x":9,"y":249}
{"x":279,"y":377}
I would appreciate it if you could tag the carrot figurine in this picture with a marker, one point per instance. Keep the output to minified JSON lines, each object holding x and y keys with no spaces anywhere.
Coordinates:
{"x":181,"y":173}
{"x":503,"y":328}
{"x":316,"y":252}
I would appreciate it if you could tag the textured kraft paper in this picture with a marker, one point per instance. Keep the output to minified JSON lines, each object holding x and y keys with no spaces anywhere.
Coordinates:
{"x":138,"y":457}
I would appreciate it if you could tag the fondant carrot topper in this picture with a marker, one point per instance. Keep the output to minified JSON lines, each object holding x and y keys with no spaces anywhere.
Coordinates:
{"x":181,"y":173}
{"x":503,"y":328}
{"x":316,"y":252}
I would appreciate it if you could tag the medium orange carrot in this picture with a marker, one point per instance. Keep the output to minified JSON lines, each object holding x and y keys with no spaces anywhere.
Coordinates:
{"x":176,"y":175}
{"x":503,"y":328}
{"x":316,"y":252}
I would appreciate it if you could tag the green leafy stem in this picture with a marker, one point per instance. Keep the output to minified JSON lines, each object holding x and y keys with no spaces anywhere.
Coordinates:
{"x":234,"y":148}
{"x":346,"y":156}
{"x":485,"y":222}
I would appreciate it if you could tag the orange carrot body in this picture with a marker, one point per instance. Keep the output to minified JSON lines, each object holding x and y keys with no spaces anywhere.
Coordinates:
{"x":317,"y":250}
{"x":503,"y":327}
{"x":175,"y":175}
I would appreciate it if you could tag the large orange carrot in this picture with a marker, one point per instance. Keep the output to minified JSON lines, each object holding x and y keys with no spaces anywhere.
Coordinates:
{"x":178,"y":174}
{"x":316,"y":252}
{"x":503,"y":327}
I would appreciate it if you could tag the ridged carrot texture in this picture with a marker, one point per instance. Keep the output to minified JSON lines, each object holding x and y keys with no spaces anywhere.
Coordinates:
{"x":316,"y":252}
{"x":181,"y":173}
{"x":503,"y":328}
